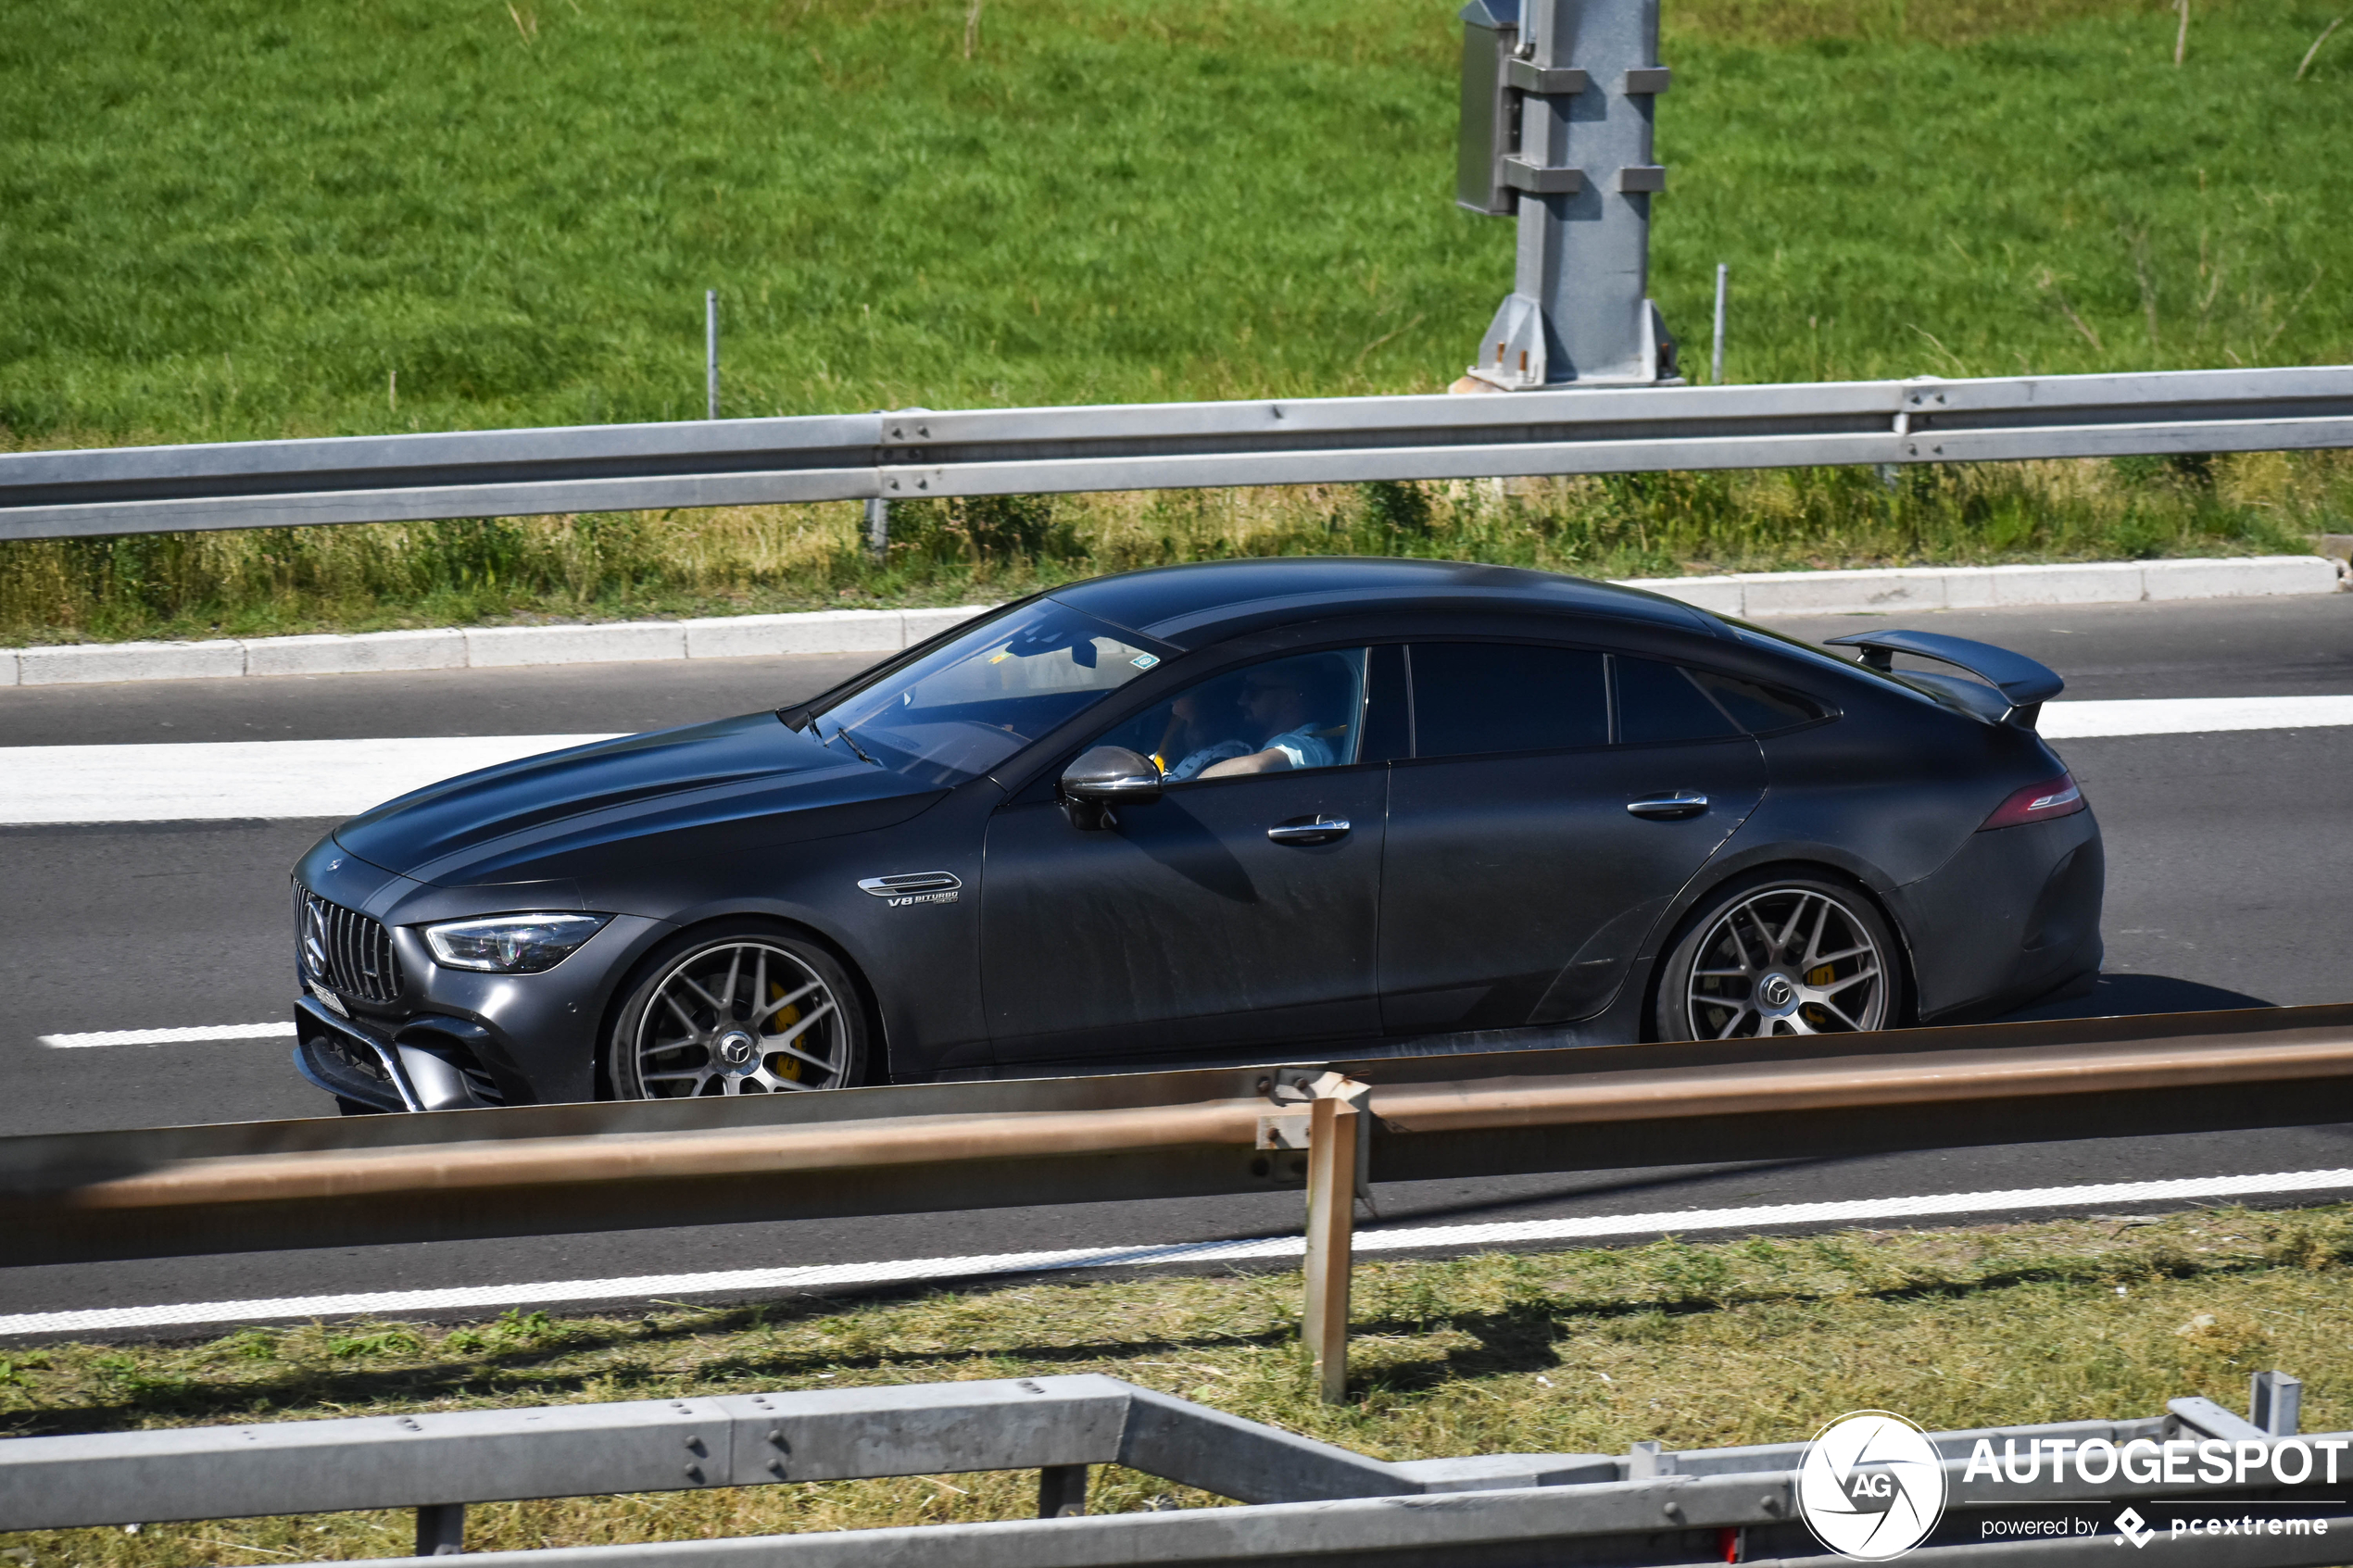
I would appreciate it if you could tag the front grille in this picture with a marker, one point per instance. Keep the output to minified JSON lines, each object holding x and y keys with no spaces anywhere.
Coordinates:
{"x":344,"y":950}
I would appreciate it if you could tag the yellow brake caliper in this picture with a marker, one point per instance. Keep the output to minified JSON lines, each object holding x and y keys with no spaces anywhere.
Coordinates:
{"x":783,"y":1066}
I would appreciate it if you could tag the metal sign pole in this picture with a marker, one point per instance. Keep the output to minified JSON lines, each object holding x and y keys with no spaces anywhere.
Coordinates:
{"x":1723,"y":284}
{"x":711,"y":352}
{"x":1558,"y":104}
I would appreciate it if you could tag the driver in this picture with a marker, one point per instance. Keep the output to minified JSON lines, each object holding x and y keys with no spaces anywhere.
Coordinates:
{"x":1293,"y":706}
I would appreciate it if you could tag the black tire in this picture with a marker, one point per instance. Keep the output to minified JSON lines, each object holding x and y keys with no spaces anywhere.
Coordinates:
{"x":346,"y":1106}
{"x":690,"y":1025}
{"x":1780,"y":953}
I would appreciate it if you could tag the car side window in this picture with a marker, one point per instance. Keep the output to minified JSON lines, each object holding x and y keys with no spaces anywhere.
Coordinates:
{"x":1659,"y":702}
{"x":1306,"y":710}
{"x":1478,"y":698}
{"x":1760,"y":710}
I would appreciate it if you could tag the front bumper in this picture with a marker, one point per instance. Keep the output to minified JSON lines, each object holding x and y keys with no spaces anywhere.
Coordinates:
{"x":354,"y":1063}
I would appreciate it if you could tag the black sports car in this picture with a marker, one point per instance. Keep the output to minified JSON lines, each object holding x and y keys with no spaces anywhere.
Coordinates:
{"x":1251,"y":810}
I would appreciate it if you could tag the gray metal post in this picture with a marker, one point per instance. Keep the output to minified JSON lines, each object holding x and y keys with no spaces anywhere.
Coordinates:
{"x":878,"y":524}
{"x":2275,"y":1403}
{"x":1579,"y":312}
{"x":1062,"y":1491}
{"x":1716,"y":368}
{"x":711,"y":351}
{"x":441,"y":1529}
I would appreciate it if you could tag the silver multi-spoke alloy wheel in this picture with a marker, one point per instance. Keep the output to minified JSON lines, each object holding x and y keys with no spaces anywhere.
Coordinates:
{"x":745,"y":1015}
{"x":1781,"y":958}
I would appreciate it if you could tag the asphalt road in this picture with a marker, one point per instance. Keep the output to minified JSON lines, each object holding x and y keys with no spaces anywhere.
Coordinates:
{"x":2228,"y":855}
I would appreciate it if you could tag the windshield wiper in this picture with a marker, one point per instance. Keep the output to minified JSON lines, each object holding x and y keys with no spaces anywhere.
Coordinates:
{"x":841,"y":733}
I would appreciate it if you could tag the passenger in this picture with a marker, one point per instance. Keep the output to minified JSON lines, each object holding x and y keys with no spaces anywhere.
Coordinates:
{"x":1295,"y":706}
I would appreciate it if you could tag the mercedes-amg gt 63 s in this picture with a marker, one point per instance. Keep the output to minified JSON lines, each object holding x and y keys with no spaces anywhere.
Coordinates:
{"x":1257,"y":810}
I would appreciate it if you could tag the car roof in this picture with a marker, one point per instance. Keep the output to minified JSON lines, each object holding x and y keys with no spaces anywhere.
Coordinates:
{"x":1193,"y":605}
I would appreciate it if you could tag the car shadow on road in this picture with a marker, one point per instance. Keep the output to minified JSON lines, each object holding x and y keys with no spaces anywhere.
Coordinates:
{"x":2122,"y":996}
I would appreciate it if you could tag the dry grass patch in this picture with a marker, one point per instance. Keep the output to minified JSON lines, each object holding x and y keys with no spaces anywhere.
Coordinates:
{"x":1746,"y":1341}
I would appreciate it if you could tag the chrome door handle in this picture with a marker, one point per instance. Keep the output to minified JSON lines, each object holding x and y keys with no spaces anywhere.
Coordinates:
{"x":1682,"y":803}
{"x":1323,"y":830}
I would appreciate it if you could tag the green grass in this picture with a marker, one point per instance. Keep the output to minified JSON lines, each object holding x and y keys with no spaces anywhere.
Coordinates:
{"x":241,"y":219}
{"x":1739,"y":1341}
{"x":253,"y":220}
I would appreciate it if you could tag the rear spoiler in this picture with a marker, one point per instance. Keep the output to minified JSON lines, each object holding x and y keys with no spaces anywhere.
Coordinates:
{"x":2025,"y":685}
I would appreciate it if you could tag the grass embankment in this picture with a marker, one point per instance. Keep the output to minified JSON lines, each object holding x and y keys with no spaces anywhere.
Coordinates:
{"x":251,"y":221}
{"x":1694,"y":1345}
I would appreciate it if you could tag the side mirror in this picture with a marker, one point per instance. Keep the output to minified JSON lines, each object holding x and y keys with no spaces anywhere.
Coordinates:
{"x":1105,"y":777}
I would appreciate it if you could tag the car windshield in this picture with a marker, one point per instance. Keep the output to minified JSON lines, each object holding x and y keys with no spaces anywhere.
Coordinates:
{"x":967,"y":706}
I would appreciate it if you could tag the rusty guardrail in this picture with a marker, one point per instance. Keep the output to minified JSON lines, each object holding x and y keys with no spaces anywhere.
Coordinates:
{"x":1456,"y":1112}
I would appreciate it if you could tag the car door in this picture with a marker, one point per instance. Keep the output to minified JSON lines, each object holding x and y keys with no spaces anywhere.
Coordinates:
{"x":1556,"y":801}
{"x":1236,"y":913}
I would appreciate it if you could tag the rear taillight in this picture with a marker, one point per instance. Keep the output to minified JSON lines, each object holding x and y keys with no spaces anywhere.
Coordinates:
{"x":2038,"y":803}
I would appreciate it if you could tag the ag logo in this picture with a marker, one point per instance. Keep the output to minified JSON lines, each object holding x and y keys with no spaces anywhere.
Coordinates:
{"x":1870,"y":1487}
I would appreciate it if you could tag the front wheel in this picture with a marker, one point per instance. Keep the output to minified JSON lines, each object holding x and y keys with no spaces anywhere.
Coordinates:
{"x":749,"y":1012}
{"x":1780,"y":955}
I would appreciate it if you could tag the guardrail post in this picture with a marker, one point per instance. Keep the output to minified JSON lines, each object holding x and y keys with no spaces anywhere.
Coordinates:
{"x":2275,"y":1403}
{"x":877,"y":525}
{"x":1062,"y":1491}
{"x":1333,"y":1132}
{"x":441,"y":1529}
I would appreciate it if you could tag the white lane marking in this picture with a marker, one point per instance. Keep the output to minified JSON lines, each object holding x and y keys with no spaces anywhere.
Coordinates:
{"x":200,"y":781}
{"x":1392,"y":1239}
{"x":2192,"y":715}
{"x":280,"y":1031}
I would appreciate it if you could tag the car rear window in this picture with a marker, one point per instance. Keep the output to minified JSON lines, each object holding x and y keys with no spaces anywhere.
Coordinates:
{"x":1475,"y":697}
{"x":1760,"y":710}
{"x":1657,"y":702}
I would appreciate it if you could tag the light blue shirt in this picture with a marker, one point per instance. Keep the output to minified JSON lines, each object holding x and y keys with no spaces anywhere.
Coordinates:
{"x":1301,"y":748}
{"x":1304,"y":747}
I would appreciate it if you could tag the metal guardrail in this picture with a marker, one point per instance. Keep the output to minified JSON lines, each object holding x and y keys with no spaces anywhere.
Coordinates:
{"x":1303,"y":1497}
{"x":1332,"y":1127}
{"x":1459,"y":1110}
{"x":976,"y":452}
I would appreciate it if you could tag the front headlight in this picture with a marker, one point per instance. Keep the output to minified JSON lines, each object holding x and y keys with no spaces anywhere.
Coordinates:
{"x":511,"y":944}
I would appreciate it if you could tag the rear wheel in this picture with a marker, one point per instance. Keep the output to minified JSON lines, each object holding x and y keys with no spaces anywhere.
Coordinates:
{"x":747,"y":1012}
{"x":1780,"y":955}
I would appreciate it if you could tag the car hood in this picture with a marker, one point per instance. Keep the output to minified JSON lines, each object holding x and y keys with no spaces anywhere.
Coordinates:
{"x":548,"y":816}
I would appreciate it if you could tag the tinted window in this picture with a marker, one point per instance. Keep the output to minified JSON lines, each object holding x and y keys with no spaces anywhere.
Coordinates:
{"x":1305,"y":711}
{"x":1657,"y":702}
{"x":1471,"y":697}
{"x":973,"y":702}
{"x":1758,"y":710}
